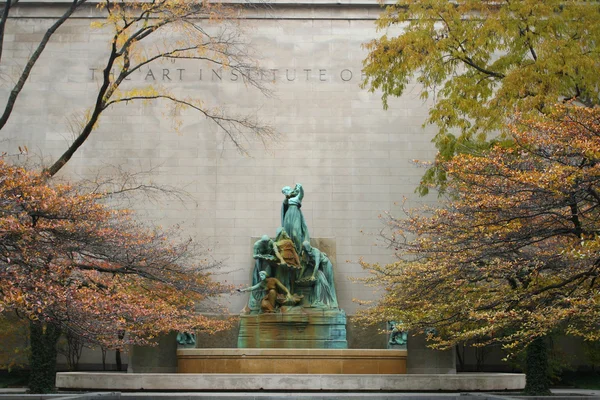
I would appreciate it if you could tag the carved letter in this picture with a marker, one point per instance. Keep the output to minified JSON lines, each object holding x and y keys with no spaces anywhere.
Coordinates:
{"x":274,"y":74}
{"x":93,"y":70}
{"x":150,"y":74}
{"x":307,"y":72}
{"x":287,"y":76}
{"x":216,"y":73}
{"x":348,"y":75}
{"x":180,"y":73}
{"x":166,"y":74}
{"x":234,"y":75}
{"x":322,"y":77}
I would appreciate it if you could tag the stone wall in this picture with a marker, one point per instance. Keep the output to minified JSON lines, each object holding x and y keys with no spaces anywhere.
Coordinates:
{"x":353,"y":158}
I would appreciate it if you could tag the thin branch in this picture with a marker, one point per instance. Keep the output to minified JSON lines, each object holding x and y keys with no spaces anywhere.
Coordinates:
{"x":468,"y":60}
{"x":230,"y":125}
{"x":98,"y":108}
{"x":4,"y":18}
{"x":14,"y":93}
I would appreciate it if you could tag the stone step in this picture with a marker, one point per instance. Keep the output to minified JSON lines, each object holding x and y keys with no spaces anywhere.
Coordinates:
{"x":301,"y":383}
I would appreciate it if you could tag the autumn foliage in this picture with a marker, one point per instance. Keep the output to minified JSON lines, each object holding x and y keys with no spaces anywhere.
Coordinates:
{"x":69,"y":260}
{"x":512,"y":253}
{"x":480,"y":60}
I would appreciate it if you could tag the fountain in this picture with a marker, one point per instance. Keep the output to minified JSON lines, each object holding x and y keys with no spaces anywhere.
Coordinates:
{"x":292,"y":322}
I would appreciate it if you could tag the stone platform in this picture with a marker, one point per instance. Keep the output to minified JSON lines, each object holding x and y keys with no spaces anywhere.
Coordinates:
{"x":107,"y":381}
{"x":291,"y":361}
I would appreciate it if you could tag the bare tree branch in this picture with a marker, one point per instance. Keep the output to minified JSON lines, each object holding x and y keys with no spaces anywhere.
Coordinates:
{"x":228,"y":123}
{"x":14,"y":93}
{"x":117,"y":182}
{"x":137,"y":22}
{"x":3,"y":19}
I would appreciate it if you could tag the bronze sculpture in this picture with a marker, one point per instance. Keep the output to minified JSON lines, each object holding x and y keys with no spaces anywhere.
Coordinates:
{"x":288,"y":264}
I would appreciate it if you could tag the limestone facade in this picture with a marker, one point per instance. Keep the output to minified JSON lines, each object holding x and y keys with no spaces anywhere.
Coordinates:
{"x":354,"y":159}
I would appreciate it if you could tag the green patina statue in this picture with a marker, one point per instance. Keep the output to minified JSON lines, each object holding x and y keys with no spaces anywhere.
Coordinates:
{"x":293,"y":301}
{"x":289,"y":264}
{"x":292,"y":219}
{"x":276,"y":258}
{"x":321,"y":276}
{"x":186,"y":339}
{"x":398,"y":337}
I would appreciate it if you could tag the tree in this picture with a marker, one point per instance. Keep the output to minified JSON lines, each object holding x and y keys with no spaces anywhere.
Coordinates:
{"x":142,"y":33}
{"x":69,"y":263}
{"x":512,"y":253}
{"x":77,"y":278}
{"x":71,"y":347}
{"x":481,"y":60}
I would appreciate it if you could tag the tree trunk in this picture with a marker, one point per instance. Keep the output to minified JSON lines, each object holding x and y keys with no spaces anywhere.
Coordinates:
{"x":118,"y":359}
{"x":120,"y":335}
{"x":536,"y":368}
{"x":42,"y":360}
{"x":103,"y":349}
{"x":460,"y":357}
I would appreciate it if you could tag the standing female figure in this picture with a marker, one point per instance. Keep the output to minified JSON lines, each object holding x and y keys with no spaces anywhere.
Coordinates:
{"x":292,"y":219}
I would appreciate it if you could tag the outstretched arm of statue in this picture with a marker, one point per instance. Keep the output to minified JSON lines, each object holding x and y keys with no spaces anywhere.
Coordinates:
{"x":267,"y":257}
{"x":251,"y":288}
{"x":299,"y":191}
{"x":282,"y":287}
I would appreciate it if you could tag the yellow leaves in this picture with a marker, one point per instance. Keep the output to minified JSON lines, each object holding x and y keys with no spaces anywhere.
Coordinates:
{"x":484,"y":61}
{"x":586,"y":248}
{"x":97,"y":24}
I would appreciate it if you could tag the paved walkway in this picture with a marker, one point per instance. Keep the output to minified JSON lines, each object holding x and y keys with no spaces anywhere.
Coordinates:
{"x":583,"y":392}
{"x":558,"y":394}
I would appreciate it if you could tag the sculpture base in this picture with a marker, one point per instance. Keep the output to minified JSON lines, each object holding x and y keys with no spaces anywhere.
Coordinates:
{"x":291,"y":361}
{"x":296,"y":328}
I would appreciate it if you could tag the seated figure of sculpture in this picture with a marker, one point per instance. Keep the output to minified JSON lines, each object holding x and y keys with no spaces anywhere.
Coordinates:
{"x":269,"y":302}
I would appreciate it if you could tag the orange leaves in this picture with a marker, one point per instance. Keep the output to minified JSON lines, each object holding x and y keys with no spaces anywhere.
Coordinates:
{"x":66,"y":257}
{"x":512,"y":252}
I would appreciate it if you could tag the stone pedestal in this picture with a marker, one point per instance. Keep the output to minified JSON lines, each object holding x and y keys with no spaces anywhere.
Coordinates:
{"x":291,"y":361}
{"x":299,"y":328}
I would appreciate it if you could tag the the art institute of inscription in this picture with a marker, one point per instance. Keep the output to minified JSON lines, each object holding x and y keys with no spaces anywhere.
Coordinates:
{"x":293,"y":301}
{"x":272,"y":75}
